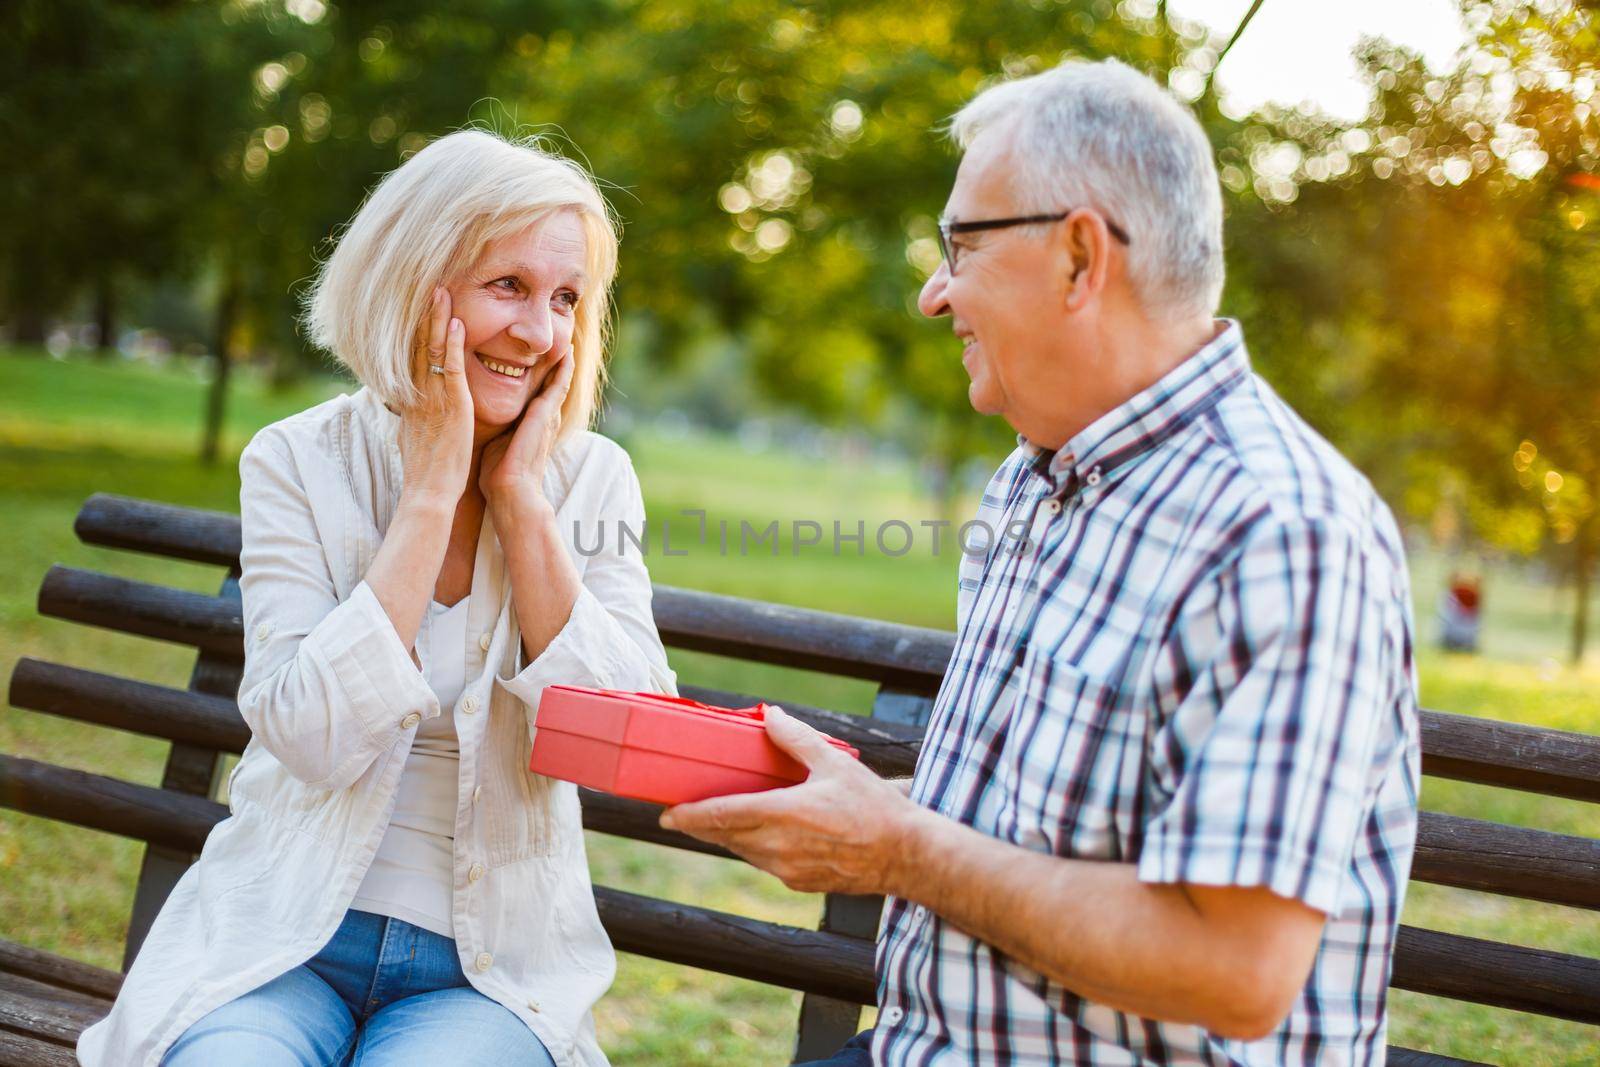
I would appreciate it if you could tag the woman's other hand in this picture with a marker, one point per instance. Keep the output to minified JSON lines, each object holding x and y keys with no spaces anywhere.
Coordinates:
{"x":511,"y":473}
{"x":436,"y":432}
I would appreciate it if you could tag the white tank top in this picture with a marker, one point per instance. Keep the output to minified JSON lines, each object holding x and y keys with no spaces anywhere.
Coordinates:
{"x":412,"y":875}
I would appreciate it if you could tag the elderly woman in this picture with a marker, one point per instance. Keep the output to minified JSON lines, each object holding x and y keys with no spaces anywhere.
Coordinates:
{"x":394,"y":885}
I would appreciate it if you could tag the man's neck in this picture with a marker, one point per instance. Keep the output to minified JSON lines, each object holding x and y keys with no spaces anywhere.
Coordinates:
{"x":1132,"y":356}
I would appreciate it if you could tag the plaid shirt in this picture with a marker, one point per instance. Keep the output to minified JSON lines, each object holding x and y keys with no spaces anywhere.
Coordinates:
{"x":1186,"y":647}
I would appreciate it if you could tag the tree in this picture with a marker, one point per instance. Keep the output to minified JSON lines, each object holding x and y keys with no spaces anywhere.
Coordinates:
{"x":1434,"y":261}
{"x":783,"y":169}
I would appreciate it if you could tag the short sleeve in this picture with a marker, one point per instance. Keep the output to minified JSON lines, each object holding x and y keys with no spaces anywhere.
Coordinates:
{"x":1270,"y":762}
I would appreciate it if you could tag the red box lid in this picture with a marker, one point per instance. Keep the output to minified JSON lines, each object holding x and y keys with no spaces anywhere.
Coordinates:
{"x":676,"y":727}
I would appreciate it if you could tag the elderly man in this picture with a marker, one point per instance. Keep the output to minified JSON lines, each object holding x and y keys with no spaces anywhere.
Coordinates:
{"x":1166,"y":805}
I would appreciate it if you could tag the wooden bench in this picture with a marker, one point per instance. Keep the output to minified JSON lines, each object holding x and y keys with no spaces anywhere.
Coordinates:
{"x":46,"y":1000}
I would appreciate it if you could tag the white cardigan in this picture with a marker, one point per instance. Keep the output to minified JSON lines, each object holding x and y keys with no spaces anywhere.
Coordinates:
{"x":332,"y":699}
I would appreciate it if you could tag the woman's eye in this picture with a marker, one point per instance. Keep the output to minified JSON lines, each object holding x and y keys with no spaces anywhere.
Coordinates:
{"x":509,"y":284}
{"x":568,"y":298}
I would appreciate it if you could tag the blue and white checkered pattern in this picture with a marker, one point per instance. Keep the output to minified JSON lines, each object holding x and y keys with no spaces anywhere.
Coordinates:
{"x":1187,"y":648}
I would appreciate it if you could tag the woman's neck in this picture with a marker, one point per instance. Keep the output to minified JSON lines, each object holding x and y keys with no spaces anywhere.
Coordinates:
{"x":482,"y":434}
{"x":471,"y":493}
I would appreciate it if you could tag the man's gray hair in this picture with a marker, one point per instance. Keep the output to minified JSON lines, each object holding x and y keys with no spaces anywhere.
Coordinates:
{"x":1102,"y":135}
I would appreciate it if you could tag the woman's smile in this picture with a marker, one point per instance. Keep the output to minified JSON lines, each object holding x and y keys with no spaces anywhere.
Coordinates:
{"x":500,"y":367}
{"x":504,"y":378}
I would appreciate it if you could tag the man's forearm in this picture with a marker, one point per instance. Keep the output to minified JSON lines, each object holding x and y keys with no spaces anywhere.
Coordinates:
{"x":1231,"y":959}
{"x":1092,"y":927}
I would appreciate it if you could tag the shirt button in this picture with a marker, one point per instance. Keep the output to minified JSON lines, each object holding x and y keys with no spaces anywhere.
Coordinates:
{"x":1094,"y":477}
{"x":263,"y":632}
{"x":894,"y":1014}
{"x":533,"y":1004}
{"x":483,"y":641}
{"x":920,"y":912}
{"x":483,"y":962}
{"x":469,"y":705}
{"x":476,"y":793}
{"x":1053,"y":507}
{"x":410,"y":720}
{"x":475,"y":873}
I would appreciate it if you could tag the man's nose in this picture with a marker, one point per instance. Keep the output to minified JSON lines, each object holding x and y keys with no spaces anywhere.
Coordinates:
{"x":931,"y":301}
{"x":534,"y":330}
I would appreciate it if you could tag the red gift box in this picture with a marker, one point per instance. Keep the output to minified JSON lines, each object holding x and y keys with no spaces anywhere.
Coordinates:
{"x":667,"y":750}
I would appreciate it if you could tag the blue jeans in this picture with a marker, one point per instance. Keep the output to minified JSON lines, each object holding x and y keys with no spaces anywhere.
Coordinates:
{"x":857,"y":1052}
{"x":381,"y":991}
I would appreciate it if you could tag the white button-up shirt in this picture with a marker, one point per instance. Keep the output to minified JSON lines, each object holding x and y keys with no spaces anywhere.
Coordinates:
{"x":333,"y":700}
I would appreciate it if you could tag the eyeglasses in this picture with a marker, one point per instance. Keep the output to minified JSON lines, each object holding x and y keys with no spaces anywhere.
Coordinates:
{"x":948,"y":228}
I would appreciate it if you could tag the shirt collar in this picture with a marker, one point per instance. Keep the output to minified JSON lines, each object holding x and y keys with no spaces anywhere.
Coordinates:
{"x":1151,"y":416}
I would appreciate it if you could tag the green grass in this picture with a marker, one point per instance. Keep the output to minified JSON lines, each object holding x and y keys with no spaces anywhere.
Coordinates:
{"x":71,"y":428}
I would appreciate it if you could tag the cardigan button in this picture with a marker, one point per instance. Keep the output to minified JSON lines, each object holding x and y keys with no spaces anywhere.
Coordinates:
{"x":483,"y":641}
{"x":410,"y":720}
{"x":475,"y":873}
{"x":533,"y":1005}
{"x":263,"y":631}
{"x":469,"y":705}
{"x":483,"y":962}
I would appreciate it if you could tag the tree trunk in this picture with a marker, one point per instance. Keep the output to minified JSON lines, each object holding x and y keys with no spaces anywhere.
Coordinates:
{"x":105,"y":307}
{"x":28,"y":326}
{"x":288,"y":367}
{"x":943,"y":466}
{"x":27,"y":313}
{"x":217,"y":396}
{"x":1582,"y":573}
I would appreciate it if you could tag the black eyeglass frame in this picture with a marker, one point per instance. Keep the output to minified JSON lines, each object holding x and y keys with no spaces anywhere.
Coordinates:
{"x":948,"y":228}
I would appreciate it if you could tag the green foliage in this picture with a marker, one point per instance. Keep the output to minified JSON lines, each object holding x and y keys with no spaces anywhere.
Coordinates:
{"x":115,"y":117}
{"x":1429,"y":274}
{"x":1420,"y":283}
{"x":778,"y":166}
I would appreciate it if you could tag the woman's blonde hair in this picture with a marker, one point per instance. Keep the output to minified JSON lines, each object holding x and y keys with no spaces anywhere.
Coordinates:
{"x":428,"y":221}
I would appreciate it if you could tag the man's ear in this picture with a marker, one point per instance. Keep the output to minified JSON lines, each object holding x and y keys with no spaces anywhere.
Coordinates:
{"x":1086,"y":252}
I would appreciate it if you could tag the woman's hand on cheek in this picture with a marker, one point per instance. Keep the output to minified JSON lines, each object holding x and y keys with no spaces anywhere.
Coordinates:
{"x":512,"y":470}
{"x":436,"y":431}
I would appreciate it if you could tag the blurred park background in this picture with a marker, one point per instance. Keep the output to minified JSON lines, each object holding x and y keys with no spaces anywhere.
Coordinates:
{"x":1419,"y":275}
